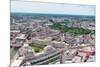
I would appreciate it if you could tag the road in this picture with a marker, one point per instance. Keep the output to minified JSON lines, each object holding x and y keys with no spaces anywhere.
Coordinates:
{"x":12,"y":53}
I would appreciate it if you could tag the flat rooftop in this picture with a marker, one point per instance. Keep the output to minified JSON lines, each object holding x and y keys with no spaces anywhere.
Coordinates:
{"x":21,"y":36}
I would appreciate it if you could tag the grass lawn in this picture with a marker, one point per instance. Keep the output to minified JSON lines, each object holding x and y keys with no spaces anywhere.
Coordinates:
{"x":37,"y":48}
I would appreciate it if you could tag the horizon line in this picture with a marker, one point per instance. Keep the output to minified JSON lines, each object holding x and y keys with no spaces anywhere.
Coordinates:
{"x":53,"y":13}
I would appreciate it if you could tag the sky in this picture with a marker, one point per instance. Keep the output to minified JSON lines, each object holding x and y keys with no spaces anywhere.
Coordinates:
{"x":52,"y":8}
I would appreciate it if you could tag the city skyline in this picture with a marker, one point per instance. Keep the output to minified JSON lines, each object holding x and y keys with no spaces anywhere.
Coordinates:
{"x":44,"y":33}
{"x":52,"y":8}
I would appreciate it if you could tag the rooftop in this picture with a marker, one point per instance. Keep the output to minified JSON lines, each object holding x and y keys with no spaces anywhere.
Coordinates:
{"x":21,"y":36}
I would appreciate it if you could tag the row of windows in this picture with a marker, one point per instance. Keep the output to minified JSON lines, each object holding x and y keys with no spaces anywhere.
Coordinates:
{"x":44,"y":59}
{"x":54,"y":59}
